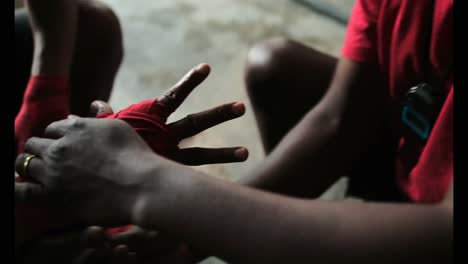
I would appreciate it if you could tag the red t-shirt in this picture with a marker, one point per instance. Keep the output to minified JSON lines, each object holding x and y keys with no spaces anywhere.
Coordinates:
{"x":392,"y":34}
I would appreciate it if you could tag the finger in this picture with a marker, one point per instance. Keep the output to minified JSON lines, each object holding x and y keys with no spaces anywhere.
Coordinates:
{"x":201,"y":156}
{"x":196,"y":123}
{"x":72,"y":116}
{"x":97,"y":250}
{"x":37,"y":146}
{"x":143,"y":242}
{"x":28,"y":192}
{"x":120,"y":254}
{"x":131,"y":236}
{"x":173,"y":98}
{"x":121,"y":250}
{"x":95,"y":236}
{"x":137,"y":239}
{"x":100,"y":108}
{"x":32,"y":170}
{"x":68,"y":246}
{"x":59,"y":128}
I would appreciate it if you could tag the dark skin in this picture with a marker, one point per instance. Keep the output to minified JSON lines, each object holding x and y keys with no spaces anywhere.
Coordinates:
{"x":292,"y":156}
{"x":280,"y":226}
{"x":54,"y":53}
{"x":286,"y":82}
{"x":91,"y":49}
{"x":327,"y":138}
{"x":47,"y":47}
{"x":190,"y":125}
{"x":159,"y":194}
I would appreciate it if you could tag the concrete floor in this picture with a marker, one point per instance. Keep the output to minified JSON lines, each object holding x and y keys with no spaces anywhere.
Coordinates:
{"x":165,"y":38}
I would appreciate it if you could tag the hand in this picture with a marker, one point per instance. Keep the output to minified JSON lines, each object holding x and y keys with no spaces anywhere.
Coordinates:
{"x":88,"y":246}
{"x":104,"y":158}
{"x":68,"y":173}
{"x":194,"y":123}
{"x":78,"y":247}
{"x":91,"y":164}
{"x":148,"y":246}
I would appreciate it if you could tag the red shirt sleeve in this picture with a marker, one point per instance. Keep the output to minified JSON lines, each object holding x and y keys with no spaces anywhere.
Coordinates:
{"x":430,"y":180}
{"x":360,"y":42}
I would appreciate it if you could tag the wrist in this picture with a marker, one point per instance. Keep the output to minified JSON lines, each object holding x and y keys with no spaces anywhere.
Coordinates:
{"x":165,"y":190}
{"x":148,"y":199}
{"x":151,"y":180}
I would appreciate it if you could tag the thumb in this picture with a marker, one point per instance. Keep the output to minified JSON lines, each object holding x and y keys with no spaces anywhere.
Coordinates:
{"x":100,"y":109}
{"x":28,"y":192}
{"x":68,"y":246}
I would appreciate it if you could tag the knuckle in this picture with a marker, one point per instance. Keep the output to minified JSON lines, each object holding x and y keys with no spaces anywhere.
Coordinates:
{"x":59,"y":150}
{"x":29,"y":143}
{"x":119,"y":124}
{"x":76,"y":123}
{"x":117,"y":130}
{"x":19,"y":163}
{"x":224,"y":111}
{"x":192,"y":120}
{"x":169,"y":97}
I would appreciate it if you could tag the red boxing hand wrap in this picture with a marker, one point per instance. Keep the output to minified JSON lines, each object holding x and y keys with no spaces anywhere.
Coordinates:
{"x":148,"y":118}
{"x":45,"y":100}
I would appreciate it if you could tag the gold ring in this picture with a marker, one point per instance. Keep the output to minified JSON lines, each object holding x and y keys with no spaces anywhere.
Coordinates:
{"x":27,"y":160}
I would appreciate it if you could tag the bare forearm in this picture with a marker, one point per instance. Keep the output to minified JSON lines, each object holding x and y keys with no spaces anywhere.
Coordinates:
{"x":310,"y":148}
{"x":53,"y":41}
{"x":321,"y":147}
{"x":245,"y":225}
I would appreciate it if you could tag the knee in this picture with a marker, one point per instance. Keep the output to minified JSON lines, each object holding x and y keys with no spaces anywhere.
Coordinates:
{"x":265,"y":64}
{"x":100,"y":28}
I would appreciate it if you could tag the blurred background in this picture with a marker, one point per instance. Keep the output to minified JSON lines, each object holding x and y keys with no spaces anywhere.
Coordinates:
{"x":164,"y":39}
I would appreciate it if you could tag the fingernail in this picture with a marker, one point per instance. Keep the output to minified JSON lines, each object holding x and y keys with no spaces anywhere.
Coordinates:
{"x":238,"y":108}
{"x":100,"y":107}
{"x":241,"y":154}
{"x":203,"y":68}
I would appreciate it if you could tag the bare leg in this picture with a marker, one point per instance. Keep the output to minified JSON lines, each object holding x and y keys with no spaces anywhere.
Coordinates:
{"x":98,"y":55}
{"x":284,"y":80}
{"x":280,"y":70}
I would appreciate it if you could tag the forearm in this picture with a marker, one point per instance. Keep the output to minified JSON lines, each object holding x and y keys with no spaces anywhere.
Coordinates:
{"x":305,"y":162}
{"x":244,"y":225}
{"x":54,"y":37}
{"x":322,"y":146}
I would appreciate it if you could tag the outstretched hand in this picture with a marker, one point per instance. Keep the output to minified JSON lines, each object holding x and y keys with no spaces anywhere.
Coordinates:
{"x":164,"y":106}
